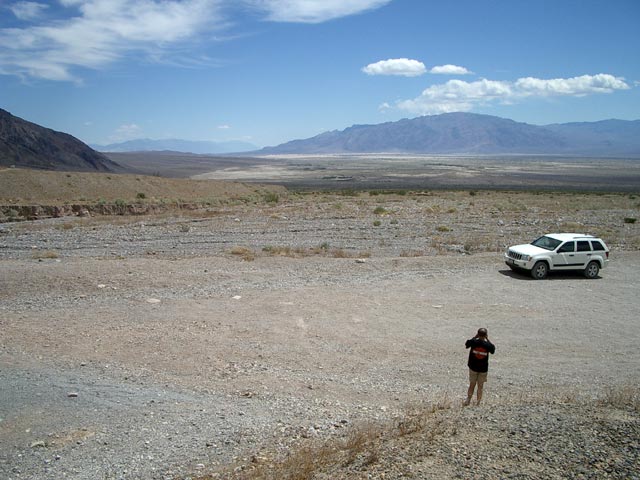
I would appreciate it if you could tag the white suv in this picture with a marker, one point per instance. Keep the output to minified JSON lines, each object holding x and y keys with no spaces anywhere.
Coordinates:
{"x":558,"y":252}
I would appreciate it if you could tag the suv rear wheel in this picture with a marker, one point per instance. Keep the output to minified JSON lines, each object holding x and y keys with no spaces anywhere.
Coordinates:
{"x":592,"y":270}
{"x":540,"y":270}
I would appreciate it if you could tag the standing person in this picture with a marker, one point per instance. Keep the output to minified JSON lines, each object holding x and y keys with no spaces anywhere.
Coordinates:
{"x":478,"y":363}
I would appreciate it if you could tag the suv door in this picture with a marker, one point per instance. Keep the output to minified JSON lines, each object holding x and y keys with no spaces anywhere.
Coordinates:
{"x":583,"y":253}
{"x":565,"y":255}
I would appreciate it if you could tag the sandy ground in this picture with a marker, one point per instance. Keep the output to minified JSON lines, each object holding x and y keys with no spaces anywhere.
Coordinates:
{"x":154,"y":365}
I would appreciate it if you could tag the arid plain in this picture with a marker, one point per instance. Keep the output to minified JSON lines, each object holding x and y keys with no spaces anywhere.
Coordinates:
{"x":256,"y":333}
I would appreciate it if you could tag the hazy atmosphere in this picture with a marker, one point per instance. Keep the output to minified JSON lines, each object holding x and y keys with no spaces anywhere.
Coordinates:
{"x":269,"y":71}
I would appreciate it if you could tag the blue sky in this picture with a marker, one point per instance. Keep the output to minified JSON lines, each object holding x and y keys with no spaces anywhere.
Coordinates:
{"x":269,"y":71}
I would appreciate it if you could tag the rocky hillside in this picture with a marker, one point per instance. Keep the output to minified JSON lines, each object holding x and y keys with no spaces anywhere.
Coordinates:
{"x":26,"y":145}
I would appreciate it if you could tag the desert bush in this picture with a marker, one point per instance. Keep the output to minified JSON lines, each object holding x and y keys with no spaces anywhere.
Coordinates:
{"x":45,"y":254}
{"x":380,"y":210}
{"x":245,"y":253}
{"x":271,"y":197}
{"x":362,"y":441}
{"x":284,"y":251}
{"x":629,"y":220}
{"x":377,"y":223}
{"x":443,"y":228}
{"x":65,"y":226}
{"x":622,"y":397}
{"x":141,"y":195}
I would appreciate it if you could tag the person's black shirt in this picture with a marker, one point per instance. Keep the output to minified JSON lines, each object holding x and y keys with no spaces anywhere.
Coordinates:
{"x":479,"y":354}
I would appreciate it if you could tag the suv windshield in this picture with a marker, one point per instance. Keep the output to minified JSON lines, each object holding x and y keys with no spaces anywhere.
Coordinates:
{"x":547,"y":243}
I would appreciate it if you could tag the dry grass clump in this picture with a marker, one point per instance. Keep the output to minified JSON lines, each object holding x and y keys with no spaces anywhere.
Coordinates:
{"x":245,"y":253}
{"x":366,"y":447}
{"x":626,"y":396}
{"x":362,"y":446}
{"x":323,"y":249}
{"x":44,"y":255}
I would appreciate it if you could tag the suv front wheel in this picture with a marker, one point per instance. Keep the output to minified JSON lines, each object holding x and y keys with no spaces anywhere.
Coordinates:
{"x":592,"y":270}
{"x":540,"y":270}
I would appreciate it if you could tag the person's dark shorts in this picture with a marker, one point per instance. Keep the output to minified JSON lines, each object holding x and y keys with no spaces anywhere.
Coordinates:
{"x":478,"y":377}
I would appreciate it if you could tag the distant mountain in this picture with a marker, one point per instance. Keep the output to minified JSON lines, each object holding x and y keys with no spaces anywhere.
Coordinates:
{"x":27,"y":145}
{"x":618,"y":136}
{"x":468,"y":133}
{"x":175,"y":145}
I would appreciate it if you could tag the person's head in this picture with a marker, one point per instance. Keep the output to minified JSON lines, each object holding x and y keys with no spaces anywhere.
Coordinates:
{"x":482,"y":333}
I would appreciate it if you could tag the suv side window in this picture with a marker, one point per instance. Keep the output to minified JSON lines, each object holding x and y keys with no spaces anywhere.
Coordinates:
{"x":583,"y":246}
{"x":567,"y":247}
{"x":597,"y":245}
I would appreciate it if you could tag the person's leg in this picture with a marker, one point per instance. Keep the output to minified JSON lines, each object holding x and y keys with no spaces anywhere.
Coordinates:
{"x":472,"y":386}
{"x":481,"y":379}
{"x":479,"y":393}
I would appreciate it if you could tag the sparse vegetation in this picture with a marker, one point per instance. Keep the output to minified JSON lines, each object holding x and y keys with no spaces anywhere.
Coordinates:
{"x":370,"y":447}
{"x":629,"y":220}
{"x":44,"y":254}
{"x":245,"y":253}
{"x":380,"y":210}
{"x":271,"y":197}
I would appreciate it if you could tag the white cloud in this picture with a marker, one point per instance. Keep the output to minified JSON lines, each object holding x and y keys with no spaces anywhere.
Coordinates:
{"x":576,"y":86}
{"x":97,"y":33}
{"x":313,"y":11}
{"x":28,"y":10}
{"x":396,"y":66}
{"x":100,"y":32}
{"x":223,"y":127}
{"x":449,"y":70}
{"x":460,"y":96}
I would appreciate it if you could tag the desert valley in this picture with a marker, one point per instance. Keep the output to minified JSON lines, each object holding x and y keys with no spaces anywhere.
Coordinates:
{"x":166,"y":315}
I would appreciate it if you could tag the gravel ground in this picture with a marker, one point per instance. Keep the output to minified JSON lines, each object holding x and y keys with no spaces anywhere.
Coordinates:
{"x":147,"y":349}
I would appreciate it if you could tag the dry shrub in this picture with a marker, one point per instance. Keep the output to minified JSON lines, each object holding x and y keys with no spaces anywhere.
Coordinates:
{"x":362,"y":442}
{"x":339,"y":253}
{"x":622,"y":397}
{"x":245,"y":253}
{"x":45,"y":254}
{"x":284,"y":251}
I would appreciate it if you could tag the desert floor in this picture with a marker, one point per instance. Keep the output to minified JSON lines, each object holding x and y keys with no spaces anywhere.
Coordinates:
{"x":187,"y":344}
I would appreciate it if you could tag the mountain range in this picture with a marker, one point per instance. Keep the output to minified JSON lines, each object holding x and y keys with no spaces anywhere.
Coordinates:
{"x":28,"y":145}
{"x":175,"y":145}
{"x":469,"y":133}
